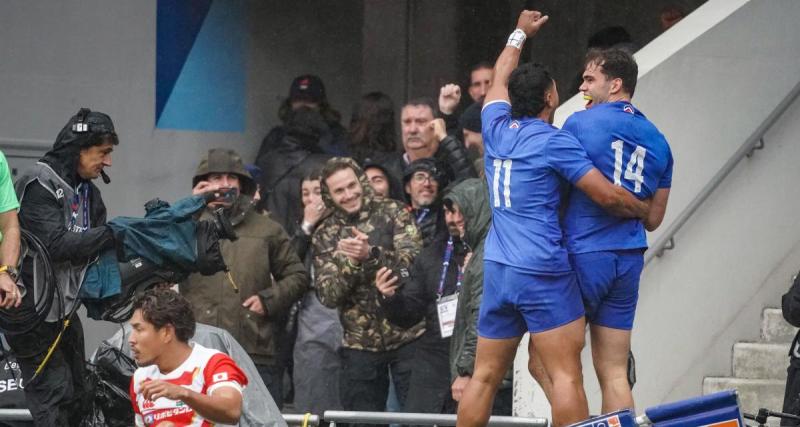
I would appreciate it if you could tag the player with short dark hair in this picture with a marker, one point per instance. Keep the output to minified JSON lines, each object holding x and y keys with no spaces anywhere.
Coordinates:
{"x":607,"y":251}
{"x":614,"y":64}
{"x":167,"y":308}
{"x":529,"y":285}
{"x":178,"y":382}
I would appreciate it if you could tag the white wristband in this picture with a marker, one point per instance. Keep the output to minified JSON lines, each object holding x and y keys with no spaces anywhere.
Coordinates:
{"x":307,"y":228}
{"x":516,"y":39}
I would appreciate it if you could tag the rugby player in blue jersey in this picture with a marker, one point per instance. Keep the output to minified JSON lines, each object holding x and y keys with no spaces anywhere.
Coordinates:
{"x":529,"y":285}
{"x":606,"y":251}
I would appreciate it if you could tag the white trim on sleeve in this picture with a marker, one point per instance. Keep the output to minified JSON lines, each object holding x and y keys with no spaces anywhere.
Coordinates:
{"x":232,"y":384}
{"x":494,"y":102}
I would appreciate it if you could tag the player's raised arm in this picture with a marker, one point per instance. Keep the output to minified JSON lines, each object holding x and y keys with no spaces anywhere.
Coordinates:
{"x":528,"y":24}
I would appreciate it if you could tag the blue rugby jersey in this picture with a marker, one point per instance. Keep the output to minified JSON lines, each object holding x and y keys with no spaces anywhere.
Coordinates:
{"x":525,"y":160}
{"x":630,"y":151}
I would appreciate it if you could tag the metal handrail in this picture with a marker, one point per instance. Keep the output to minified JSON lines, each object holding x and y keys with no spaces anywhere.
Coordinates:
{"x":291,"y":419}
{"x":15,"y":415}
{"x":334,"y":417}
{"x":408,"y":418}
{"x":300,"y":419}
{"x":755,"y":141}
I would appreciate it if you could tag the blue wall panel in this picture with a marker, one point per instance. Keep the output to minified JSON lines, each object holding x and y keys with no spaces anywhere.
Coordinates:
{"x":200,"y":70}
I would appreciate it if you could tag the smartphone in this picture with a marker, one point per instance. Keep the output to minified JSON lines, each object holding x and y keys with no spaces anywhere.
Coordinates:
{"x":227,"y":195}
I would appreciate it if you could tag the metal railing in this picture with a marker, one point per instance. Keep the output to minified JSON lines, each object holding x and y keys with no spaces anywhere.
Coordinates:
{"x":302,"y":419}
{"x":15,"y":415}
{"x":755,"y":142}
{"x":406,"y":418}
{"x":333,"y":417}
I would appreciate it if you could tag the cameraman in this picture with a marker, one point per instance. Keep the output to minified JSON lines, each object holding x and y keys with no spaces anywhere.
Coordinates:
{"x":61,"y":206}
{"x":266,"y":276}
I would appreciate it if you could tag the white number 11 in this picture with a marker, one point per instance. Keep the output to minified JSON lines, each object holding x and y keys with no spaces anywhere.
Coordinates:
{"x":634,"y":171}
{"x":502,"y":164}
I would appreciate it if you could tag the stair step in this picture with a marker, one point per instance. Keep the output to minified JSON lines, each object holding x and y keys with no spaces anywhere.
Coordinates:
{"x":774,"y":328}
{"x":753,"y":394}
{"x":760,"y":360}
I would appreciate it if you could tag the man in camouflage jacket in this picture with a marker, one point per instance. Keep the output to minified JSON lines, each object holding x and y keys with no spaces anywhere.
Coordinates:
{"x":362,"y":234}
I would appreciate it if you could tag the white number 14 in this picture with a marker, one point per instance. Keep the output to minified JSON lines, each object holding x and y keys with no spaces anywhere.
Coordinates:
{"x":634,"y":171}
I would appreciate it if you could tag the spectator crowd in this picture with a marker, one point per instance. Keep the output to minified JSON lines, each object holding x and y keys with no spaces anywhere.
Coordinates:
{"x":366,"y":299}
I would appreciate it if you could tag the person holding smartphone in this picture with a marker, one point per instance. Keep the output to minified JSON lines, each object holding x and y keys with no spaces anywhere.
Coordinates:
{"x":266,"y":276}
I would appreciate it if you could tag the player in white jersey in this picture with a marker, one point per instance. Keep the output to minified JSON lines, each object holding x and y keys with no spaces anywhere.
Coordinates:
{"x":177,"y":383}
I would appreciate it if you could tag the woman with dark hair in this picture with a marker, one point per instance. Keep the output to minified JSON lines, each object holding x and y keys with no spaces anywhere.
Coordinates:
{"x":372,"y":127}
{"x":373,"y":138}
{"x":319,"y":333}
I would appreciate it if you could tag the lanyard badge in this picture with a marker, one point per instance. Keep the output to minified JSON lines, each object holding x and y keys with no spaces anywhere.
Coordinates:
{"x":446,"y":305}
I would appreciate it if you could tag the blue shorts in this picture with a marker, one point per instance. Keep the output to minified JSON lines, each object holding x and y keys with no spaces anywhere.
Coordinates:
{"x":609,"y":283}
{"x":516,"y":301}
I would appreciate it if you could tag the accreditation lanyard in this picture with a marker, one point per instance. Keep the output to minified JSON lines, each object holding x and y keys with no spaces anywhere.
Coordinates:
{"x":80,"y":202}
{"x":448,"y":255}
{"x":421,"y":214}
{"x":446,"y":307}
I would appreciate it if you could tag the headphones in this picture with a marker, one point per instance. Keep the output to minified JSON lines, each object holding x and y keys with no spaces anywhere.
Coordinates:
{"x":81,"y":126}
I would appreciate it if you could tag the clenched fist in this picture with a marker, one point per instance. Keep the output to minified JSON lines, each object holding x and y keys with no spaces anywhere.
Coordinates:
{"x":530,"y":21}
{"x":449,"y":97}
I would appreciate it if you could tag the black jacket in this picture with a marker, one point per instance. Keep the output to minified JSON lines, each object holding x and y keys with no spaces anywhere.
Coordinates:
{"x":432,"y":223}
{"x":790,"y":306}
{"x":46,"y":206}
{"x":331,"y":137}
{"x":455,"y":157}
{"x":283,"y":166}
{"x":41,"y":214}
{"x":417,"y":296}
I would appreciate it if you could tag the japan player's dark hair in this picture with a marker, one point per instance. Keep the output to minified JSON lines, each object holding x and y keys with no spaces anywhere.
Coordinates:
{"x":615,"y":64}
{"x":163,"y":307}
{"x":526,"y":89}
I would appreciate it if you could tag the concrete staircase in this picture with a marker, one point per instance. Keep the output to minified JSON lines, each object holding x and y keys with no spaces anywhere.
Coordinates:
{"x":759,"y":368}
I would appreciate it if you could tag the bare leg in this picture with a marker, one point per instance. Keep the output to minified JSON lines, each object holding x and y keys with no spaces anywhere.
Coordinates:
{"x":492,"y":359}
{"x":538,"y":372}
{"x":560,"y":351}
{"x":610,"y":349}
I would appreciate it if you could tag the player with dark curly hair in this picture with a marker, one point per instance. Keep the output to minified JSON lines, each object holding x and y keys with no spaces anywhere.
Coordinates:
{"x":179,"y":382}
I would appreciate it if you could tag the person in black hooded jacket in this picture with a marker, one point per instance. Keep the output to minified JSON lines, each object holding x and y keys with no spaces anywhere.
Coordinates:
{"x":285,"y":164}
{"x":61,"y":206}
{"x":308,"y":91}
{"x":309,"y":134}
